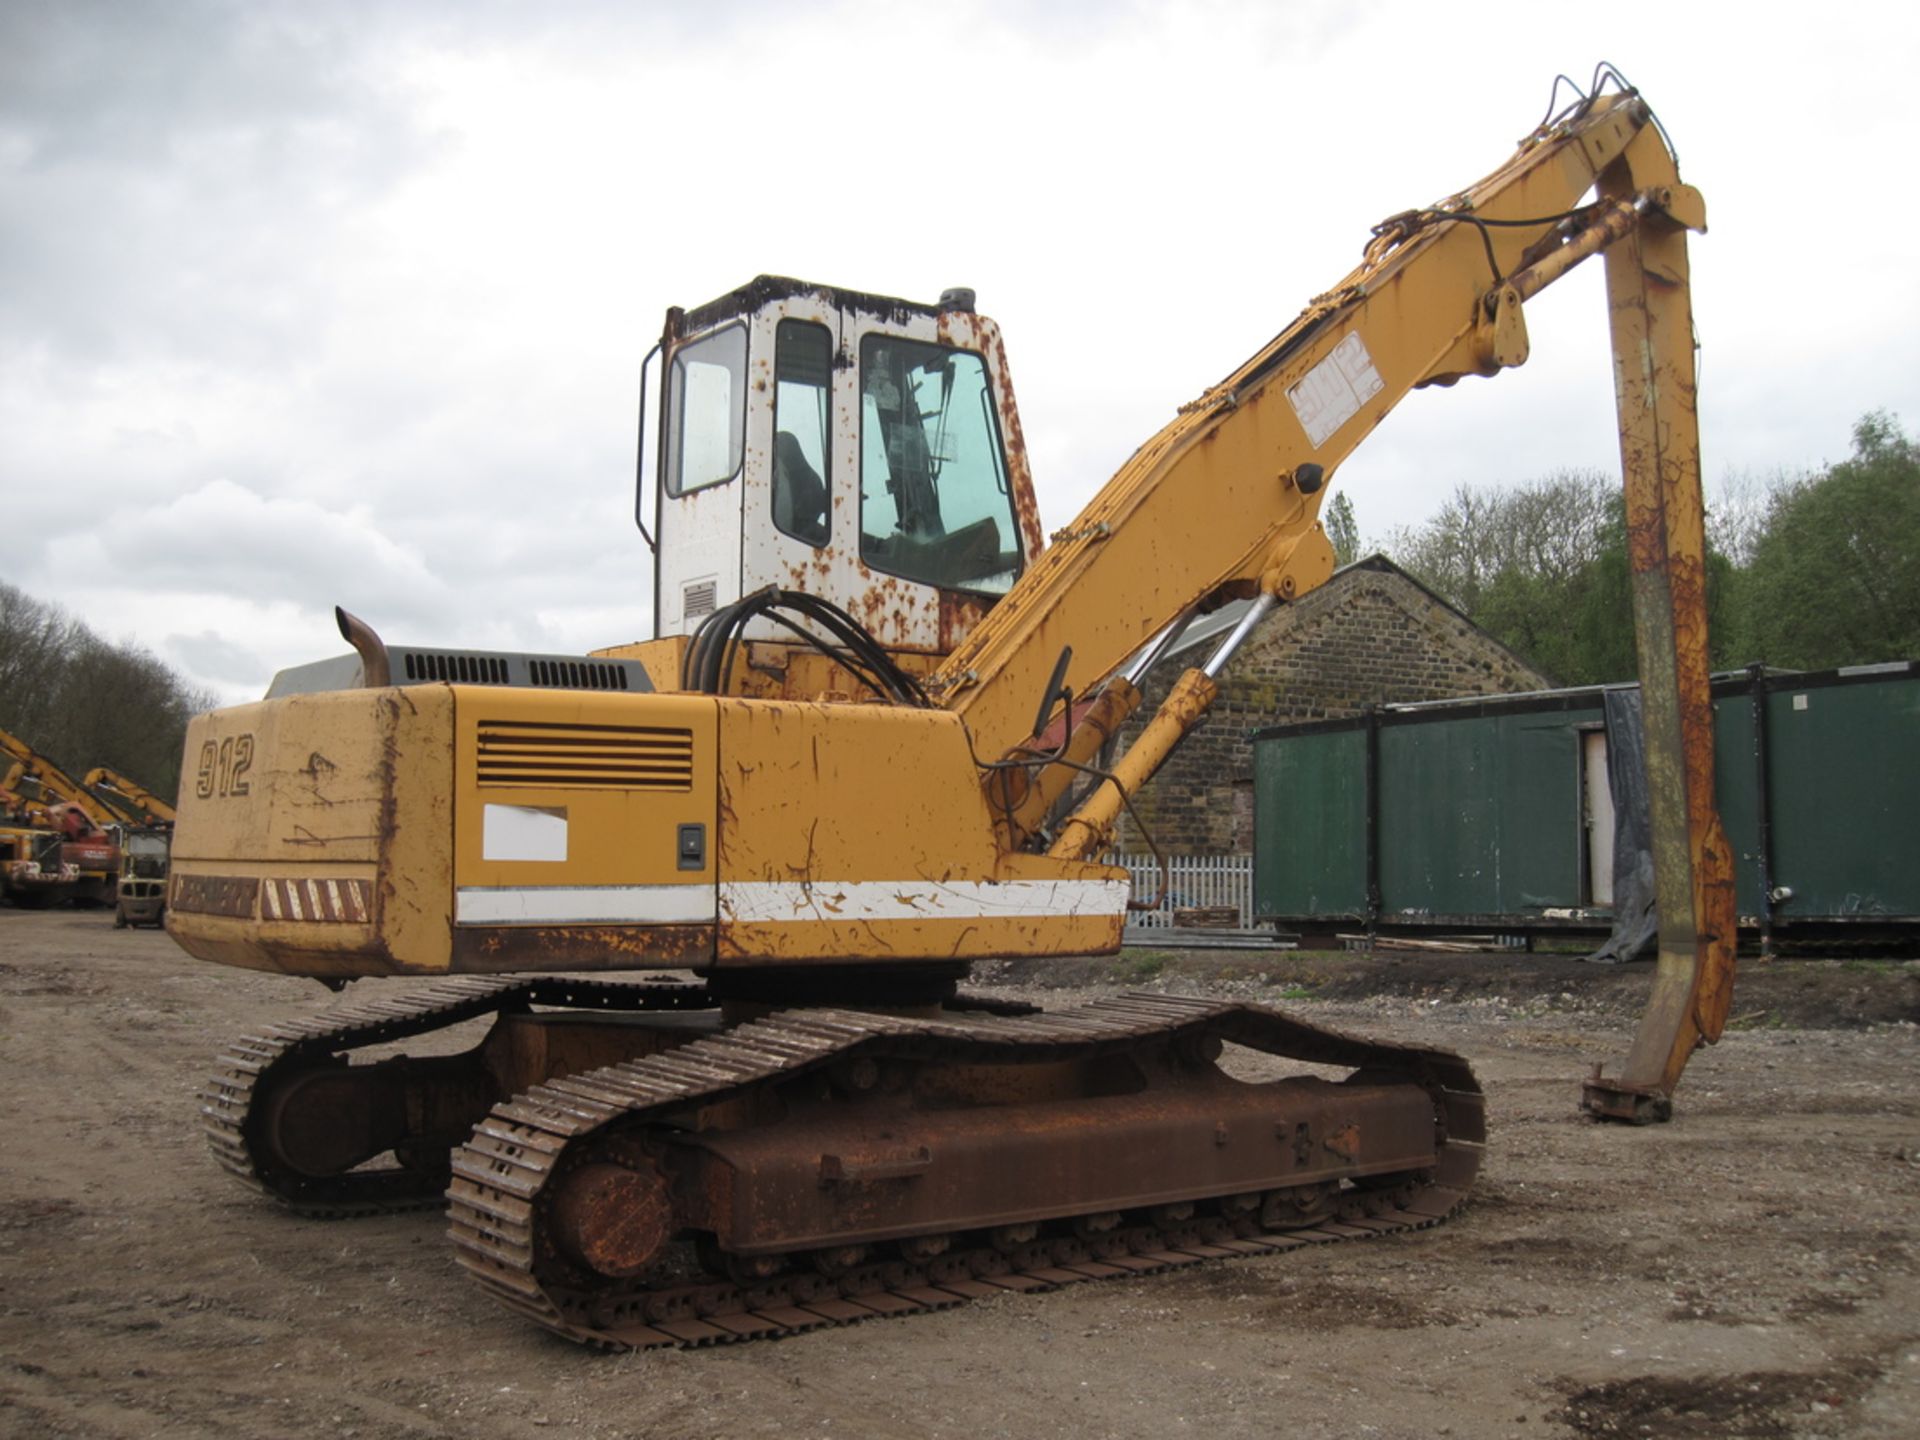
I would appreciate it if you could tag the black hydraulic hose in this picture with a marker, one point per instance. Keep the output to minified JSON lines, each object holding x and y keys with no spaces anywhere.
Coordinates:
{"x":707,"y":666}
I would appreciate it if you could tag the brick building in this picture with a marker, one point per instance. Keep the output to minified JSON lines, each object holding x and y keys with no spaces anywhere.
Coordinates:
{"x":1372,"y":635}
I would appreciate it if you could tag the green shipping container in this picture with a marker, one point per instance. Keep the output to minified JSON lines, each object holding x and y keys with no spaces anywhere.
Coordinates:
{"x":1498,"y":812}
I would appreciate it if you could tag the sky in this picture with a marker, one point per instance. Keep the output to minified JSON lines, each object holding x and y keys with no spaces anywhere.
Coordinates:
{"x":344,"y":303}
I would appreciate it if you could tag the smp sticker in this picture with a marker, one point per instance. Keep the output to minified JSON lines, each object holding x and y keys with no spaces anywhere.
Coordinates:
{"x":1335,"y":389}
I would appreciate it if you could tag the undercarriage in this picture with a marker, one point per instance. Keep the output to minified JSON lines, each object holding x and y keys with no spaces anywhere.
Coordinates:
{"x":635,"y":1165}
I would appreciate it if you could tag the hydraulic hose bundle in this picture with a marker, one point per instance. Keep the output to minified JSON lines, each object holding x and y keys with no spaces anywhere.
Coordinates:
{"x":707,"y":665}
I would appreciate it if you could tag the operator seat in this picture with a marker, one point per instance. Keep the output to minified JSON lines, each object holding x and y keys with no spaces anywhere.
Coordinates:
{"x":799,"y":494}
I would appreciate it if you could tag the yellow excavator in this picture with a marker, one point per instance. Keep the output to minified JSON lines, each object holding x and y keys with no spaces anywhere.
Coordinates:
{"x":57,"y":839}
{"x":861,"y":751}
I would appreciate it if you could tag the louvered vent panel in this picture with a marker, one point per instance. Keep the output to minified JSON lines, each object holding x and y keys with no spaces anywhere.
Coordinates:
{"x":460,"y":669}
{"x":620,"y":757}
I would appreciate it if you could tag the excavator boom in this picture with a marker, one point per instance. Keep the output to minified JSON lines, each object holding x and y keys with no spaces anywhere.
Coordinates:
{"x":1224,"y":502}
{"x":1232,"y":488}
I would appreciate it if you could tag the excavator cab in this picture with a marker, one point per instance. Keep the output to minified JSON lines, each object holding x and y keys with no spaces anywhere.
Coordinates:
{"x":861,"y":449}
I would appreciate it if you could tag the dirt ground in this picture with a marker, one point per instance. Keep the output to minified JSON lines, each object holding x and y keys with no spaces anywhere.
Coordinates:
{"x":1748,"y":1270}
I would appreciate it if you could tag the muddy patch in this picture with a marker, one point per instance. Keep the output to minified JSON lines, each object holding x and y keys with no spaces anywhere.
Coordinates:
{"x":1758,"y":1405}
{"x":36,"y":1214}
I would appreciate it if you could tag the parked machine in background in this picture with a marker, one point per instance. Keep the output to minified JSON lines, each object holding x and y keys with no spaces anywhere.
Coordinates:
{"x":62,"y":845}
{"x":129,"y":797}
{"x":860,"y":753}
{"x":33,"y":873}
{"x":141,"y":898}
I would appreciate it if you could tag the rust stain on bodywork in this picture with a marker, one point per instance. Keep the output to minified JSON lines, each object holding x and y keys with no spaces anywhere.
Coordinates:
{"x":504,"y":949}
{"x":1026,"y":507}
{"x":233,"y":895}
{"x":959,"y":613}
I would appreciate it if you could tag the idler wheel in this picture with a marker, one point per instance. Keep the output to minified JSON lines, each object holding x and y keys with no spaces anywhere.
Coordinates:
{"x":614,"y":1219}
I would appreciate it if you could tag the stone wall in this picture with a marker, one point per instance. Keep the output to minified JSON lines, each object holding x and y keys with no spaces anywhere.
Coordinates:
{"x":1370,"y":636}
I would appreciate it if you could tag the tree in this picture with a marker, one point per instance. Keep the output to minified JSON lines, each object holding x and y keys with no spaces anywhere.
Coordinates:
{"x":82,"y":702}
{"x":1522,"y":564}
{"x":1737,"y":512}
{"x":1342,"y":530}
{"x":1548,"y":530}
{"x":1835,"y":573}
{"x":35,"y":640}
{"x":1543,"y":568}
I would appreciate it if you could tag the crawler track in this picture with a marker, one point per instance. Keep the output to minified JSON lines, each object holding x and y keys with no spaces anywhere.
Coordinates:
{"x":506,"y":1173}
{"x":246,"y":1069}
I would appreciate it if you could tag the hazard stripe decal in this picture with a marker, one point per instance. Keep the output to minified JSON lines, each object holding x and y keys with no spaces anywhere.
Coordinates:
{"x":334,"y":902}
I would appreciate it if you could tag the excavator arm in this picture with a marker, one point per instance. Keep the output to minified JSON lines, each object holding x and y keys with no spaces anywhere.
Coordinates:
{"x":1652,"y":324}
{"x":129,"y":795}
{"x":1224,"y":502}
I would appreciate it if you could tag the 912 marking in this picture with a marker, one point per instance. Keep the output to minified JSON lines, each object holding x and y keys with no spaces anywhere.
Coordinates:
{"x":223,"y":767}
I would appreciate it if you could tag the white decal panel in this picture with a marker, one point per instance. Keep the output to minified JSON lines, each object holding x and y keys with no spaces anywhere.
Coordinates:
{"x":1335,"y":389}
{"x":778,"y":902}
{"x":774,"y":902}
{"x":584,"y":905}
{"x":523,"y":832}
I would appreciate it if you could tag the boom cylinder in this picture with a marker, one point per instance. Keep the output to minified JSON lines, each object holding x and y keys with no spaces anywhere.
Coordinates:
{"x":1021,"y":798}
{"x":1091,"y":826}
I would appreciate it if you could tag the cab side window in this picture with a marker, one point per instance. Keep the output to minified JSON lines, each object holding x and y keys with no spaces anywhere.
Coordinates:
{"x":802,"y":474}
{"x":707,"y":411}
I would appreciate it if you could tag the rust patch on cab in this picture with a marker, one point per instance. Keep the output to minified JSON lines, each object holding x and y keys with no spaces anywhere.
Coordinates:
{"x":959,"y":613}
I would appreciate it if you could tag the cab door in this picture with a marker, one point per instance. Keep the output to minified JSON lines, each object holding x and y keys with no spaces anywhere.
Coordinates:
{"x":703,"y":455}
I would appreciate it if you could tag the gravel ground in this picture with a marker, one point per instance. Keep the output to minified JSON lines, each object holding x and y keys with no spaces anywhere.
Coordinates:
{"x":1748,"y":1270}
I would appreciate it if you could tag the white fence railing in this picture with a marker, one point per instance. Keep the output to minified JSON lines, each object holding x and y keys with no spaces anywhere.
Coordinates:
{"x":1193,"y":882}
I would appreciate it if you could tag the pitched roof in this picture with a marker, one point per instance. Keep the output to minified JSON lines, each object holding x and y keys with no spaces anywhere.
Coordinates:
{"x":1212,"y":627}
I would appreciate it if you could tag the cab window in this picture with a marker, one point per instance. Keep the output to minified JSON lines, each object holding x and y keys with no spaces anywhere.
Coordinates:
{"x":935,"y":504}
{"x":803,"y":373}
{"x":706,"y":411}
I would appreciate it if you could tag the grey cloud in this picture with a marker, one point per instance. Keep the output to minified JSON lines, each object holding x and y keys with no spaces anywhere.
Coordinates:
{"x":216,"y":659}
{"x":127,"y":82}
{"x":278,"y":549}
{"x":167,"y":173}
